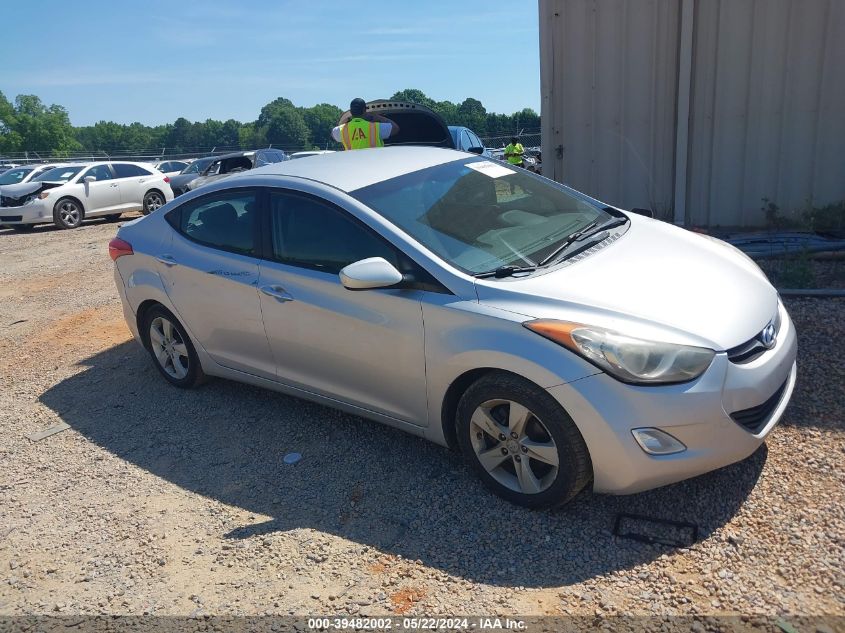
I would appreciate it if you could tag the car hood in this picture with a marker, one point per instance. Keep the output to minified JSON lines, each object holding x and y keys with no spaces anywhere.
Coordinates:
{"x":656,"y":281}
{"x":418,"y":125}
{"x":19,"y":189}
{"x":180,"y":180}
{"x":204,"y":180}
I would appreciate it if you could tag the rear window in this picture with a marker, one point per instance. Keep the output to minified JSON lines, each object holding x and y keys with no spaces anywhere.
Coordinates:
{"x":125,"y":170}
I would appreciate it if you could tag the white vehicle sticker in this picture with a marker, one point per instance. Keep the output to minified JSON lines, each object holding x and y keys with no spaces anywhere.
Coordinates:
{"x":491,"y":169}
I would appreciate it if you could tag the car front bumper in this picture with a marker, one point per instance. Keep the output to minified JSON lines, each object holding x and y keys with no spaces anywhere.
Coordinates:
{"x":696,"y":413}
{"x":35,"y":212}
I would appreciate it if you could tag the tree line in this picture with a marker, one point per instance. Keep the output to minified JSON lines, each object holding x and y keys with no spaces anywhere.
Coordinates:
{"x":29,"y":125}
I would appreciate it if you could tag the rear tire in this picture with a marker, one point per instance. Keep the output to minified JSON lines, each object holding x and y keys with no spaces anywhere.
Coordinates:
{"x":171,"y":348}
{"x":521,"y":442}
{"x":68,"y":214}
{"x":153,"y":200}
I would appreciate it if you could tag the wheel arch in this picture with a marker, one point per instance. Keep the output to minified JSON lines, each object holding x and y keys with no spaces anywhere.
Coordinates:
{"x":70,"y":197}
{"x":157,"y":190}
{"x":458,"y":387}
{"x":141,"y":314}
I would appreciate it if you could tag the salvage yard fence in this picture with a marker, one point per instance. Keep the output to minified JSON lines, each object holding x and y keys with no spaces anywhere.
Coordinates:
{"x":529,"y":139}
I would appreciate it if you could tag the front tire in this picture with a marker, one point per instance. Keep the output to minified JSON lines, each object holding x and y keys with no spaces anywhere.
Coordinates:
{"x":171,"y":349}
{"x":153,"y":200}
{"x":521,"y":442}
{"x":68,"y":214}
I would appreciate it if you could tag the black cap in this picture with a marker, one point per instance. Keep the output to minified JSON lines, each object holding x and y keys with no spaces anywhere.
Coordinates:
{"x":358,"y":106}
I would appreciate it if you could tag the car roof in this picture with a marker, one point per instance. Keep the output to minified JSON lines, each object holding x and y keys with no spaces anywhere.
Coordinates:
{"x":353,"y":170}
{"x":235,"y":154}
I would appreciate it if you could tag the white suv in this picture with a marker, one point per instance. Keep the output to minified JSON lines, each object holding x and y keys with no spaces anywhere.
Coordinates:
{"x":68,"y":194}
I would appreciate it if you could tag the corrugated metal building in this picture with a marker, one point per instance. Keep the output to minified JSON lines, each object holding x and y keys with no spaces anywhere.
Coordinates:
{"x":696,"y":109}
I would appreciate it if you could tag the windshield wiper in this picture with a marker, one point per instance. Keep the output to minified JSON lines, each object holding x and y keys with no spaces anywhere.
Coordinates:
{"x":591,"y":229}
{"x":506,"y":271}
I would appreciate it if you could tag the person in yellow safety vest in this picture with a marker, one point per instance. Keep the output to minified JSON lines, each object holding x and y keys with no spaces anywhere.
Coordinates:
{"x":514,"y":152}
{"x":358,"y":130}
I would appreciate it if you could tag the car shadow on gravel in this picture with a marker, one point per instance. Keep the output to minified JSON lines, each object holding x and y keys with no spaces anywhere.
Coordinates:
{"x":363,"y":481}
{"x":5,"y":231}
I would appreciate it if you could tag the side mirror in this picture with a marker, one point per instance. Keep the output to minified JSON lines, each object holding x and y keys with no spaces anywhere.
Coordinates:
{"x":366,"y":274}
{"x":646,"y":212}
{"x":90,"y":179}
{"x":476,"y":150}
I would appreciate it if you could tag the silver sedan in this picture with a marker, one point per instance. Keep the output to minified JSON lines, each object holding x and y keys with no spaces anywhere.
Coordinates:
{"x":556,"y":341}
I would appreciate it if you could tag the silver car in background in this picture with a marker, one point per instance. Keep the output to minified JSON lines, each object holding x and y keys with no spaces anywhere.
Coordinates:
{"x":558,"y":342}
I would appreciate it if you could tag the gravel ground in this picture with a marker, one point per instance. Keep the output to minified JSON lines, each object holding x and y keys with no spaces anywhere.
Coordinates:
{"x":160,"y":501}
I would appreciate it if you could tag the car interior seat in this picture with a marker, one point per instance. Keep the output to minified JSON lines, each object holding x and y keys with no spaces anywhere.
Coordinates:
{"x":220,"y":225}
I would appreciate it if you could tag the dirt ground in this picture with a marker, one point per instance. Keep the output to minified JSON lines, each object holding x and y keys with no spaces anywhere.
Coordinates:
{"x":162,"y":501}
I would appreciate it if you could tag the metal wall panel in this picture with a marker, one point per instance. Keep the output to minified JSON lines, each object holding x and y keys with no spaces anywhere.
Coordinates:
{"x":766,"y":117}
{"x":608,"y":71}
{"x":768,"y":107}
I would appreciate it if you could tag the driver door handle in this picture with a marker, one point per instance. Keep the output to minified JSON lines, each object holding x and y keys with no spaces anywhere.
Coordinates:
{"x":277,"y":292}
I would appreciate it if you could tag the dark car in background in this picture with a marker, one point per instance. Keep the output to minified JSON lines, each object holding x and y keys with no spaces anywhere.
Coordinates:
{"x":179,"y":182}
{"x":236,"y":162}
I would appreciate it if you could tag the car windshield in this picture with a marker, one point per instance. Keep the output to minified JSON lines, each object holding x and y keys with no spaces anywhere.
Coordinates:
{"x":480,"y":215}
{"x":59,"y":174}
{"x":14,"y":175}
{"x":196,"y":166}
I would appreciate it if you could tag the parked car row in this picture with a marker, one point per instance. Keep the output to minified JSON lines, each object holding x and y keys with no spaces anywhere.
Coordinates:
{"x":67,"y":194}
{"x":25,"y":207}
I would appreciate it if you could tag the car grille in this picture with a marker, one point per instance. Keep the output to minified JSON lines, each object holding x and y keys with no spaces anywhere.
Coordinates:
{"x":754,"y":348}
{"x":755,"y":418}
{"x":6,"y":201}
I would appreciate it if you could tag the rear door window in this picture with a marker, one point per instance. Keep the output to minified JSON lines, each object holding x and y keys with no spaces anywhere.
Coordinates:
{"x":225,"y":221}
{"x":125,"y":170}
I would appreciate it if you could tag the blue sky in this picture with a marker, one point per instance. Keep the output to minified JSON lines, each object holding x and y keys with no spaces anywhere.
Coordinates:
{"x":154,"y":61}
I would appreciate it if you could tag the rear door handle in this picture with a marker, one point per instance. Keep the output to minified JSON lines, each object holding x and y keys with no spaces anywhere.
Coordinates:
{"x":167,"y":260}
{"x":277,"y":292}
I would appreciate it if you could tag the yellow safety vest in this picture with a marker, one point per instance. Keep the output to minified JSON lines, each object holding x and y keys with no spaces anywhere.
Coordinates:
{"x":515,"y":149}
{"x":360,"y":133}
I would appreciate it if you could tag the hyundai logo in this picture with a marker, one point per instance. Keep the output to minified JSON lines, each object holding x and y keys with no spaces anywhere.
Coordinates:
{"x":768,"y":336}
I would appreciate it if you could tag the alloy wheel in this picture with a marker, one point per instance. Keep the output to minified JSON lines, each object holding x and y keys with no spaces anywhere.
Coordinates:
{"x":514,"y":446}
{"x":69,"y":213}
{"x":168,"y":348}
{"x":154,"y":201}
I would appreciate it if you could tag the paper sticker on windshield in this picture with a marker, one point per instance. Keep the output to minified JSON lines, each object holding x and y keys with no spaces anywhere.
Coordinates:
{"x":491,"y":169}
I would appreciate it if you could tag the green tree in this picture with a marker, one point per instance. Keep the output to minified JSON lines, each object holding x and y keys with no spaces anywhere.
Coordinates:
{"x":473,"y":115}
{"x":412,"y":95}
{"x":10,"y":140}
{"x":286,"y":128}
{"x":320,"y":119}
{"x":41,"y":128}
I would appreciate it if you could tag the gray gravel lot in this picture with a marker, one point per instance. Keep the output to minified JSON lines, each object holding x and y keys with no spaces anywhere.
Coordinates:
{"x":163,"y":501}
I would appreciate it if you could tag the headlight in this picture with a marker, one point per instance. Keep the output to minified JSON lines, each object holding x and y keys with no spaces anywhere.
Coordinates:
{"x":629,"y":359}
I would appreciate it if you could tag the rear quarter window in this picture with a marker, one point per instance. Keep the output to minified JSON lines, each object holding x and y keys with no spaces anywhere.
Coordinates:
{"x":124,"y":170}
